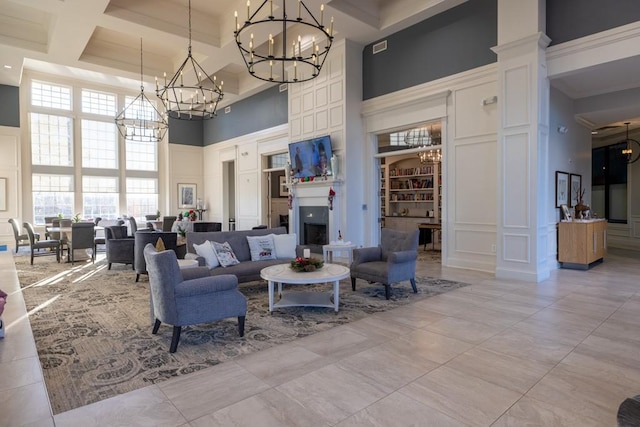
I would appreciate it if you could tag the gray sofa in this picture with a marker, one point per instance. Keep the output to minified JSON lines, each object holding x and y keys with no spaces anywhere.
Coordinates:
{"x":247,"y":270}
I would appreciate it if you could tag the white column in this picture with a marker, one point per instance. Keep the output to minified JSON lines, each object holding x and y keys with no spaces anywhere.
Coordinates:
{"x":522,"y":141}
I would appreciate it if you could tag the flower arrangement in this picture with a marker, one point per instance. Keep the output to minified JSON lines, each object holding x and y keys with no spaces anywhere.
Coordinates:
{"x":191,"y":214}
{"x":306,"y":264}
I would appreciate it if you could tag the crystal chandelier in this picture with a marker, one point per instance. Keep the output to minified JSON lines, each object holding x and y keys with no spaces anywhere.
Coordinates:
{"x":190,"y":94}
{"x":422,"y":138}
{"x":628,"y":151}
{"x":141,"y":121}
{"x":296,"y":48}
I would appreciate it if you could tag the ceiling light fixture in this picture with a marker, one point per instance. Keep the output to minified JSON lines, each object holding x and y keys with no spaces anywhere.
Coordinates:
{"x":190,"y":94}
{"x":423,"y":138}
{"x":631,"y":154}
{"x":296,"y":48}
{"x":140,"y":120}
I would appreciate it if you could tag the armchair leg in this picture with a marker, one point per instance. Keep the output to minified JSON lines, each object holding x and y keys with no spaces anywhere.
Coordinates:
{"x":413,"y":285}
{"x":109,"y":267}
{"x":175,"y":339}
{"x":241,"y":325}
{"x":353,"y":283}
{"x":156,"y":326}
{"x":387,"y":291}
{"x":137,"y":277}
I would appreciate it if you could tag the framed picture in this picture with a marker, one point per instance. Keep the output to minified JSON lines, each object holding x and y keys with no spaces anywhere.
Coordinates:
{"x":187,"y":196}
{"x":3,"y":194}
{"x":576,"y":187}
{"x":566,"y":214}
{"x":282,"y":186}
{"x":562,"y":188}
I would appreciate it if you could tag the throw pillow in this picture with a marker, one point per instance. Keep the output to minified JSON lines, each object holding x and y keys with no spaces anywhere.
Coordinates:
{"x":225,"y":254}
{"x":261,"y":247}
{"x":285,"y":245}
{"x":160,"y":245}
{"x":205,"y":250}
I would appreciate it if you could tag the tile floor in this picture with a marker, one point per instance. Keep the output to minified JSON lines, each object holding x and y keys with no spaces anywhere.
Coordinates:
{"x":565,"y":352}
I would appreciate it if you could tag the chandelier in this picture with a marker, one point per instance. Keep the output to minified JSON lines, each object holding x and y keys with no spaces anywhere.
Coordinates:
{"x":628,"y":151}
{"x":141,"y":121}
{"x":422,"y":138}
{"x":190,"y":94}
{"x":296,"y":48}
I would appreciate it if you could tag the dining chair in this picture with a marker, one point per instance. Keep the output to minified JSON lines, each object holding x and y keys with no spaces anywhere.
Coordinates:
{"x":82,"y":237}
{"x":35,"y":245}
{"x":48,"y":222}
{"x":21,"y":239}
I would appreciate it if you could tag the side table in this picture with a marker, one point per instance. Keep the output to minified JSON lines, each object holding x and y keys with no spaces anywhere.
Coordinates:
{"x":330,"y":249}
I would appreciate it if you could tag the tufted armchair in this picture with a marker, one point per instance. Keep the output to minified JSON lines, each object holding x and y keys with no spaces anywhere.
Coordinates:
{"x":393,"y":261}
{"x":119,"y":247}
{"x":179,"y":302}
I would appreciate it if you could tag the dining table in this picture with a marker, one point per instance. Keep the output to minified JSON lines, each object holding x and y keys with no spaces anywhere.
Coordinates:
{"x":65,"y":236}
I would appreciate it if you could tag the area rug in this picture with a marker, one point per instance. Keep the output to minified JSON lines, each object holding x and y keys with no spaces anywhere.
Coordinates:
{"x":93,"y":330}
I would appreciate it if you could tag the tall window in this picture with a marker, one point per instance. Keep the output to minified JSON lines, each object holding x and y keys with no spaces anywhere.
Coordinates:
{"x":52,"y":195}
{"x":609,"y":183}
{"x":99,"y":144}
{"x":100,"y":197}
{"x":51,"y":140}
{"x":142,"y":197}
{"x":76,"y":155}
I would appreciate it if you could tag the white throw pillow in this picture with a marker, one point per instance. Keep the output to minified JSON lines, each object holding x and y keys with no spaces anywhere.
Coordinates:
{"x":285,"y":245}
{"x":261,"y":247}
{"x":205,"y":250}
{"x":225,"y":254}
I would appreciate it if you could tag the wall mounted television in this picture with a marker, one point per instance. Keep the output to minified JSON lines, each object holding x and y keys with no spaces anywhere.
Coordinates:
{"x":311,"y":157}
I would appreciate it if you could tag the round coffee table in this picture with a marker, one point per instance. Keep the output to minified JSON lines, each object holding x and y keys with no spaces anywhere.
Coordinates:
{"x":282,"y":273}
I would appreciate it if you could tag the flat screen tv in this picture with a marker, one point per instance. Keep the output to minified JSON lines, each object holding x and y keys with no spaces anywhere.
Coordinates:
{"x":311,"y":157}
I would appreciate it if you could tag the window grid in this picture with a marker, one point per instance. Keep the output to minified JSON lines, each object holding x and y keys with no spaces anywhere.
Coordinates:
{"x":142,"y":197}
{"x":99,"y":144}
{"x":52,"y":195}
{"x":51,"y":142}
{"x":142,"y":156}
{"x":139,"y":110}
{"x":277,"y":160}
{"x":50,"y":95}
{"x":98,"y":103}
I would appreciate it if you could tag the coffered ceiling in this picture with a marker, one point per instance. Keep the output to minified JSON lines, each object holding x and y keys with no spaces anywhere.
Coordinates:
{"x":99,"y":40}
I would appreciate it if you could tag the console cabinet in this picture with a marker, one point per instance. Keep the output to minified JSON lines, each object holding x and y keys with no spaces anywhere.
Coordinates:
{"x":582,"y":243}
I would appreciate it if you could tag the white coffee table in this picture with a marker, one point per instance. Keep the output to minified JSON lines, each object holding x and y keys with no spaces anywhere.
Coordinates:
{"x":282,"y":273}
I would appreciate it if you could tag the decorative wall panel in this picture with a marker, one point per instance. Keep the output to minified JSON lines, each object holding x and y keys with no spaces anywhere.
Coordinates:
{"x":516,"y":248}
{"x":516,"y":180}
{"x":517,"y":89}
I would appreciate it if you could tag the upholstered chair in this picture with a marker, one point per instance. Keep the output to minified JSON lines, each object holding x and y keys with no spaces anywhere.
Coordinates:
{"x":133,"y":226}
{"x":81,"y":238}
{"x":41,"y":247}
{"x":393,"y":261}
{"x":99,"y":237}
{"x":21,"y":239}
{"x":119,"y":247}
{"x":179,"y":302}
{"x":167,"y":222}
{"x":143,"y":237}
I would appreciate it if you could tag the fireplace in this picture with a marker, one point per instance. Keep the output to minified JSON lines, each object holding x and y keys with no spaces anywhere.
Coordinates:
{"x":314,"y":224}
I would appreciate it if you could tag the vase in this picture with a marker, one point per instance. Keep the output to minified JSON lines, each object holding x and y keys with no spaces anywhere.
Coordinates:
{"x":334,"y":166}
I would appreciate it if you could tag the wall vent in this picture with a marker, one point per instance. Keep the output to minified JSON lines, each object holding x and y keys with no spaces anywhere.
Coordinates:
{"x":380,"y":47}
{"x":283,"y":87}
{"x":227,"y":109}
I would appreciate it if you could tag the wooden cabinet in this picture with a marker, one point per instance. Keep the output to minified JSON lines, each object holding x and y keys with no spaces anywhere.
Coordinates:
{"x":581,"y":243}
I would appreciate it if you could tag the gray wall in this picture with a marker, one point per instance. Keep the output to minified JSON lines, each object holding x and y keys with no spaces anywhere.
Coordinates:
{"x":9,"y":106}
{"x":263,"y":110}
{"x":457,"y":40}
{"x":572,"y":19}
{"x":186,"y":132}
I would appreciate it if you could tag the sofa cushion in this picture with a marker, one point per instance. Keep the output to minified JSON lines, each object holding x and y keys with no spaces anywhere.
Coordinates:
{"x":205,"y":250}
{"x":285,"y":245}
{"x":225,"y":254}
{"x":261,"y":247}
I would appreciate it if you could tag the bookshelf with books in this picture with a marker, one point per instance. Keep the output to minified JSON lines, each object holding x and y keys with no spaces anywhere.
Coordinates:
{"x":410,"y":192}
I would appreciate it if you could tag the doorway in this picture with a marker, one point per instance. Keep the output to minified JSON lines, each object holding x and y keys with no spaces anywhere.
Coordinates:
{"x":229,"y":195}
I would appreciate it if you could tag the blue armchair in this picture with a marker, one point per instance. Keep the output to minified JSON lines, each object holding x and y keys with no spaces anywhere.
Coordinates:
{"x":179,"y":302}
{"x":393,"y":261}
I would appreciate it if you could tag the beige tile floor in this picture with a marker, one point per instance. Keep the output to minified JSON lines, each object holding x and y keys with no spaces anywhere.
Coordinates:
{"x":564,"y":352}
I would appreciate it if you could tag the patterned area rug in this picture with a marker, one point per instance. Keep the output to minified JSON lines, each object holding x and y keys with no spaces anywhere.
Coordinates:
{"x":93,"y":331}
